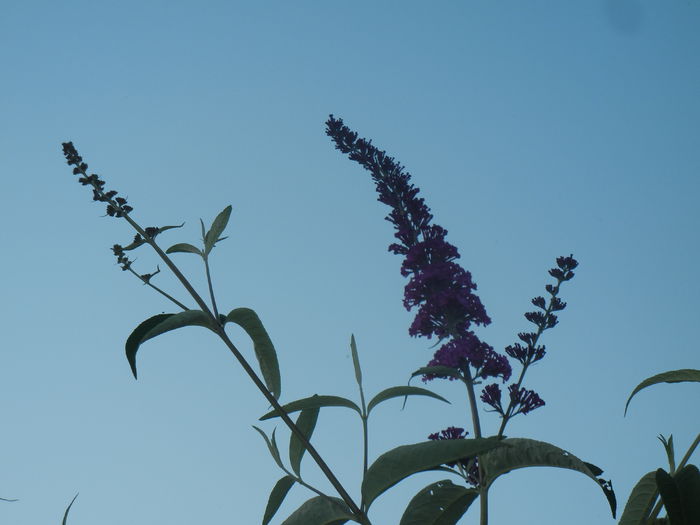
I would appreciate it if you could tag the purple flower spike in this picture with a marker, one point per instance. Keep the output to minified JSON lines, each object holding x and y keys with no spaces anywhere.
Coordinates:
{"x":438,"y":286}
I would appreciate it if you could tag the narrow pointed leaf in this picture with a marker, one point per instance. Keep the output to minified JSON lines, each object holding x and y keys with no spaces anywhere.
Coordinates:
{"x":272,"y":446}
{"x":440,"y":503}
{"x":671,"y":496}
{"x":136,"y":337}
{"x":279,"y":492}
{"x":306,"y":423}
{"x":183,"y":247}
{"x":321,"y":511}
{"x":525,"y":453}
{"x":401,"y":462}
{"x":314,"y":401}
{"x":437,"y":371}
{"x":159,"y":324}
{"x":65,"y":516}
{"x":641,"y":501}
{"x":356,"y":361}
{"x":262,"y":344}
{"x":401,"y":391}
{"x":217,"y":228}
{"x":9,"y":500}
{"x":162,"y":229}
{"x":674,"y":376}
{"x":688,"y":482}
{"x":670,"y":454}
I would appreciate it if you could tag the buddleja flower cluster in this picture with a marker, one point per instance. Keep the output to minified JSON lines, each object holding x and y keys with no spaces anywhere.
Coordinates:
{"x":438,"y":286}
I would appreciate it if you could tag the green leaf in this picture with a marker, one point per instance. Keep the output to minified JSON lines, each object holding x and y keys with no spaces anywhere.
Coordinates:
{"x":314,"y":401}
{"x":279,"y":492}
{"x":440,"y":503}
{"x":162,"y":229}
{"x":641,"y":501}
{"x":356,"y":361}
{"x":688,"y":482}
{"x":272,"y":447}
{"x":437,"y":371}
{"x":183,"y":247}
{"x":65,"y":516}
{"x":159,"y":324}
{"x":401,"y":391}
{"x":674,"y":376}
{"x":321,"y":511}
{"x":264,"y":349}
{"x":524,"y":453}
{"x":670,"y":454}
{"x":401,"y":462}
{"x":306,"y":423}
{"x":671,"y":497}
{"x":217,"y":228}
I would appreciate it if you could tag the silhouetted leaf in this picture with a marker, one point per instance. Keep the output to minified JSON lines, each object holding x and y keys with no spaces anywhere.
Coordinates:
{"x":437,"y":371}
{"x":272,"y":447}
{"x":321,"y":511}
{"x":65,"y":516}
{"x":525,"y":453}
{"x":440,"y":503}
{"x":674,"y":376}
{"x":641,"y":501}
{"x":356,"y":361}
{"x":279,"y":492}
{"x":314,"y":401}
{"x":306,"y":422}
{"x":401,"y":391}
{"x":217,"y":228}
{"x":183,"y":247}
{"x":399,"y":463}
{"x":670,"y":496}
{"x":159,"y":324}
{"x":262,"y":344}
{"x":688,"y":482}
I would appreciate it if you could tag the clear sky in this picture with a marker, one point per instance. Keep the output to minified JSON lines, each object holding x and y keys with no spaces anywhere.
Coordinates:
{"x":534,"y":129}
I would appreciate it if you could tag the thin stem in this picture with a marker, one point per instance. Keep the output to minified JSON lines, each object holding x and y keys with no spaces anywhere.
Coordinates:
{"x":251,"y":373}
{"x":162,"y":292}
{"x":211,"y":289}
{"x":483,"y":491}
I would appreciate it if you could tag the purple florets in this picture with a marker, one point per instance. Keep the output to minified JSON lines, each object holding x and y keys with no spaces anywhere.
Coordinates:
{"x":439,"y":287}
{"x":469,"y":350}
{"x":470,"y":466}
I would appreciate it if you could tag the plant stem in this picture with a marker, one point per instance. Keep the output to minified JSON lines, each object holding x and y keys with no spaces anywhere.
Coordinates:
{"x":251,"y":373}
{"x":162,"y":292}
{"x":211,"y":289}
{"x":483,"y":491}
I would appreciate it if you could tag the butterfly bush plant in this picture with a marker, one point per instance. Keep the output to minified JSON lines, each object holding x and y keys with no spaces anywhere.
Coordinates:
{"x":447,"y":309}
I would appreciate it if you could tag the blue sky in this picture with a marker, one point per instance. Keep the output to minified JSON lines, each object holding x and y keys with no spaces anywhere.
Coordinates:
{"x":533,"y":129}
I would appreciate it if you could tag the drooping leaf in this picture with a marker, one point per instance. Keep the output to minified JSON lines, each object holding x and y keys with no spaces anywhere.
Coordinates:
{"x":65,"y":516}
{"x":159,"y":324}
{"x":162,"y":229}
{"x":183,"y":247}
{"x":217,"y":228}
{"x":321,"y":511}
{"x":688,"y":482}
{"x":306,"y":422}
{"x":9,"y":500}
{"x":671,"y":497}
{"x":673,"y":376}
{"x":262,"y":345}
{"x":401,"y":391}
{"x":314,"y":401}
{"x":641,"y":501}
{"x":272,"y":446}
{"x":524,"y":453}
{"x":399,"y":463}
{"x":437,"y":371}
{"x":440,"y":503}
{"x":356,"y":361}
{"x":279,"y":492}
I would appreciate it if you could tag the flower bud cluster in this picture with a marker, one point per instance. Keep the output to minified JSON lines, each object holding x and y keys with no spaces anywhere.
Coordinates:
{"x":116,"y":206}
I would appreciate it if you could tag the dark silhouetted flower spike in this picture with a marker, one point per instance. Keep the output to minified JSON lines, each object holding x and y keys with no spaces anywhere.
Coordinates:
{"x":116,"y":206}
